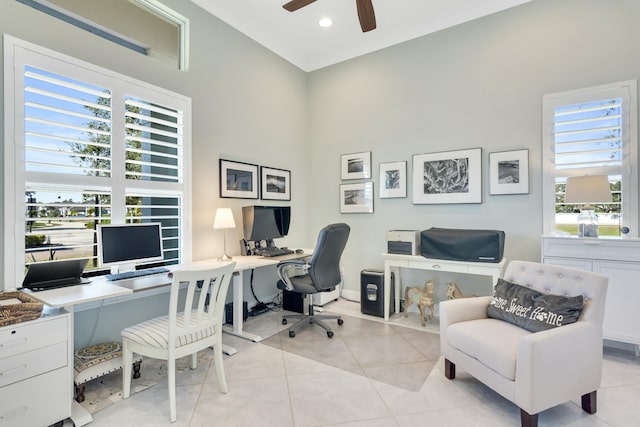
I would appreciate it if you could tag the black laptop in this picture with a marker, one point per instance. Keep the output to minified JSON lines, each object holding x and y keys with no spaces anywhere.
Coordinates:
{"x":54,"y":274}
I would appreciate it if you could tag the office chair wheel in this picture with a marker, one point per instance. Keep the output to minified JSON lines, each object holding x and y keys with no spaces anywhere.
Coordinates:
{"x":292,"y":334}
{"x":330,"y":334}
{"x":284,"y":321}
{"x":340,"y":322}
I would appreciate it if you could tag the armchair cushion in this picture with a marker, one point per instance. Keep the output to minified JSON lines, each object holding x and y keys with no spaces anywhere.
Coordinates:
{"x":533,"y":310}
{"x":491,"y":342}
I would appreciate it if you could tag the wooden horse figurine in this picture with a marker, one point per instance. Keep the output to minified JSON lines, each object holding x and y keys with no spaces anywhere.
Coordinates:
{"x":454,"y":292}
{"x":423,"y":298}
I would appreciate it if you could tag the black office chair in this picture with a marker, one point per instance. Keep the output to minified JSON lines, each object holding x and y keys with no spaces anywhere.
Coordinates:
{"x":321,"y":273}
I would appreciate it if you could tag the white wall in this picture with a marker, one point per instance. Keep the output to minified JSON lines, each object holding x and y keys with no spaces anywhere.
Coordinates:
{"x":476,"y":85}
{"x":479,"y":84}
{"x":248,"y":105}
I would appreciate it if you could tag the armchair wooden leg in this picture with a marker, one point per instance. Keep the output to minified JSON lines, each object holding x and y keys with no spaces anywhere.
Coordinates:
{"x":449,"y":369}
{"x":528,"y":420}
{"x":589,"y":402}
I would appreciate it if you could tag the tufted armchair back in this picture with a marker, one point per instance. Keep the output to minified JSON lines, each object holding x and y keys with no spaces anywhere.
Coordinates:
{"x":560,"y":280}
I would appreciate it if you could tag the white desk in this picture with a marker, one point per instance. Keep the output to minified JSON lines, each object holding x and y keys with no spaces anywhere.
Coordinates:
{"x":100,"y":289}
{"x":391,"y":261}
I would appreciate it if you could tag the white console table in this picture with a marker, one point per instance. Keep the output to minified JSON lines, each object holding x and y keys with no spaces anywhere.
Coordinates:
{"x":393,"y":261}
{"x":616,"y":258}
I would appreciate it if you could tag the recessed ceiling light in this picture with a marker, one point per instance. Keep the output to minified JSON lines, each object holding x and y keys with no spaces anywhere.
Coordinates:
{"x":325,"y":22}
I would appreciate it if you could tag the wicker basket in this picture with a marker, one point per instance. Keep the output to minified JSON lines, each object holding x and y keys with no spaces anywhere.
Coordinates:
{"x":29,"y":309}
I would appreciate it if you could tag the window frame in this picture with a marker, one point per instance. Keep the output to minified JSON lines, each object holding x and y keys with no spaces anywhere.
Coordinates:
{"x":627,"y":90}
{"x":18,"y":53}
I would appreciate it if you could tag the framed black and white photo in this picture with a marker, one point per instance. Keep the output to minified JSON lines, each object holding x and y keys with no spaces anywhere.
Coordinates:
{"x":238,"y":180}
{"x":393,"y":180}
{"x":275,"y":184}
{"x":356,"y":165}
{"x":356,"y":198}
{"x":509,"y":172}
{"x":448,"y":177}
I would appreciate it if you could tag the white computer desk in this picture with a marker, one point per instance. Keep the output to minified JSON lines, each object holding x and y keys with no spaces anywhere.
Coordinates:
{"x":102,"y":289}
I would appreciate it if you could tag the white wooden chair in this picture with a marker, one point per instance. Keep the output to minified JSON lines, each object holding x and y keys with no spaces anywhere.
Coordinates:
{"x":187,"y":328}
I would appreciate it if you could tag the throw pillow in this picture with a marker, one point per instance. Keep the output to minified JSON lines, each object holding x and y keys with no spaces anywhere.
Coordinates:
{"x":533,"y":310}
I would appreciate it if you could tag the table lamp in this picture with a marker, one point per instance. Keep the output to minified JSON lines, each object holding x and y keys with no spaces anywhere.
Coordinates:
{"x":588,"y":189}
{"x":224,"y":219}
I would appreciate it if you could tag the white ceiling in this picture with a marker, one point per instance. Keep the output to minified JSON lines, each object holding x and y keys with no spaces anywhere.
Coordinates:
{"x":297,"y":37}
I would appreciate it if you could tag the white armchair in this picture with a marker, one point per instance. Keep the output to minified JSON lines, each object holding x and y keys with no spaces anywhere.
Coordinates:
{"x":534,"y":370}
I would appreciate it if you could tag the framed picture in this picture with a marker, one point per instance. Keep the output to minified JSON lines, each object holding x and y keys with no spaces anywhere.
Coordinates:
{"x":448,"y":177}
{"x":238,"y":180}
{"x":275,"y":184}
{"x":393,"y":180}
{"x":356,"y":198}
{"x":509,"y":172}
{"x":356,"y":165}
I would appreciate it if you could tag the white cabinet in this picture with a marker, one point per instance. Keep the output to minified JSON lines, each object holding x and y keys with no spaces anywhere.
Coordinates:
{"x":35,"y":372}
{"x":616,"y":258}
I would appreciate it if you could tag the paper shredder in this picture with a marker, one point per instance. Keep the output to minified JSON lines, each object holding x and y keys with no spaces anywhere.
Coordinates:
{"x":372,"y":293}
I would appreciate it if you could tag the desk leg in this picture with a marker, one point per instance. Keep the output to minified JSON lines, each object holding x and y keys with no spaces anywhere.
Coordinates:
{"x":387,"y":291}
{"x":79,"y":415}
{"x":238,"y":283}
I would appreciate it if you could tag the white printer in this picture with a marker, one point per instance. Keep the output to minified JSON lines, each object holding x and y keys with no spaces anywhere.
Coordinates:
{"x":405,"y":242}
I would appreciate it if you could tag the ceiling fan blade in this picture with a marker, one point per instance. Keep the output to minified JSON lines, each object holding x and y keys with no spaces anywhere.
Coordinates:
{"x":294,"y":5}
{"x":366,"y":15}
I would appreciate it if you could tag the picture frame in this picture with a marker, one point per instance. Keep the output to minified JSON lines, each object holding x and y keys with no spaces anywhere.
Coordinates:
{"x":509,"y":172}
{"x":275,"y":184}
{"x":356,"y":198}
{"x":238,"y":180}
{"x":448,"y":177}
{"x":356,"y":165}
{"x":393,"y":180}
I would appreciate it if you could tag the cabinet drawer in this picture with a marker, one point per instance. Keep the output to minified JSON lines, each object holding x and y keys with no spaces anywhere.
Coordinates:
{"x":605,"y":249}
{"x":439,"y":265}
{"x":26,"y":365}
{"x":27,"y":336}
{"x":38,"y":401}
{"x":578,"y":264}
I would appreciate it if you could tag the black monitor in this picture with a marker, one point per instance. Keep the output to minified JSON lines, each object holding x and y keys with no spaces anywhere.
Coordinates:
{"x":127,"y":245}
{"x":265,"y":222}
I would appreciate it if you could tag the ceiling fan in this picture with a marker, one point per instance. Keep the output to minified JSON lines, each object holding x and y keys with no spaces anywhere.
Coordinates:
{"x":365,"y":12}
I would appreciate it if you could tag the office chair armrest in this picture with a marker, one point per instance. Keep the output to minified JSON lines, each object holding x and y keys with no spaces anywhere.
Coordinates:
{"x":287,"y":269}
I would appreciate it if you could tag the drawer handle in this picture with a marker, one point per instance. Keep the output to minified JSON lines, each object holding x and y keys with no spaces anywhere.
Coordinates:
{"x":14,"y":342}
{"x":436,"y":266}
{"x":13,"y":370}
{"x":12,"y":414}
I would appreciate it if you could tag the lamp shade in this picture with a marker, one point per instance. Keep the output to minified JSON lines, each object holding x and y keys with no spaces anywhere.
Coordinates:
{"x":588,"y":189}
{"x":223,"y":219}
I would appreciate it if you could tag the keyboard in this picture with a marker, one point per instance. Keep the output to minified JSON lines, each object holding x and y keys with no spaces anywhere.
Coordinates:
{"x":137,"y":273}
{"x":269,"y":252}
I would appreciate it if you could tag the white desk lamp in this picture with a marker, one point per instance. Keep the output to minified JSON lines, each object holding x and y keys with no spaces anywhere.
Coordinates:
{"x":224,"y":219}
{"x":588,"y":189}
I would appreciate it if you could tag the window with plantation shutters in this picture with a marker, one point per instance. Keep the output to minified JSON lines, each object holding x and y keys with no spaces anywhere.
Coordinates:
{"x":591,"y":131}
{"x":89,"y":146}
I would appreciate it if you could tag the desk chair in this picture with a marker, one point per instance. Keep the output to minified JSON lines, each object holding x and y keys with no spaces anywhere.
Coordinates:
{"x":320,"y":274}
{"x":185,"y":330}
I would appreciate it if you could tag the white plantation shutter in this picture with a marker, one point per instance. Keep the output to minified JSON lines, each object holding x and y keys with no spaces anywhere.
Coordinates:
{"x":89,"y":146}
{"x":588,"y":138}
{"x":58,"y":118}
{"x":153,"y":141}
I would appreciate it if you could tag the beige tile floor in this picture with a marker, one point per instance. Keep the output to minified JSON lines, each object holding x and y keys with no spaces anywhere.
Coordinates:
{"x":367,"y":375}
